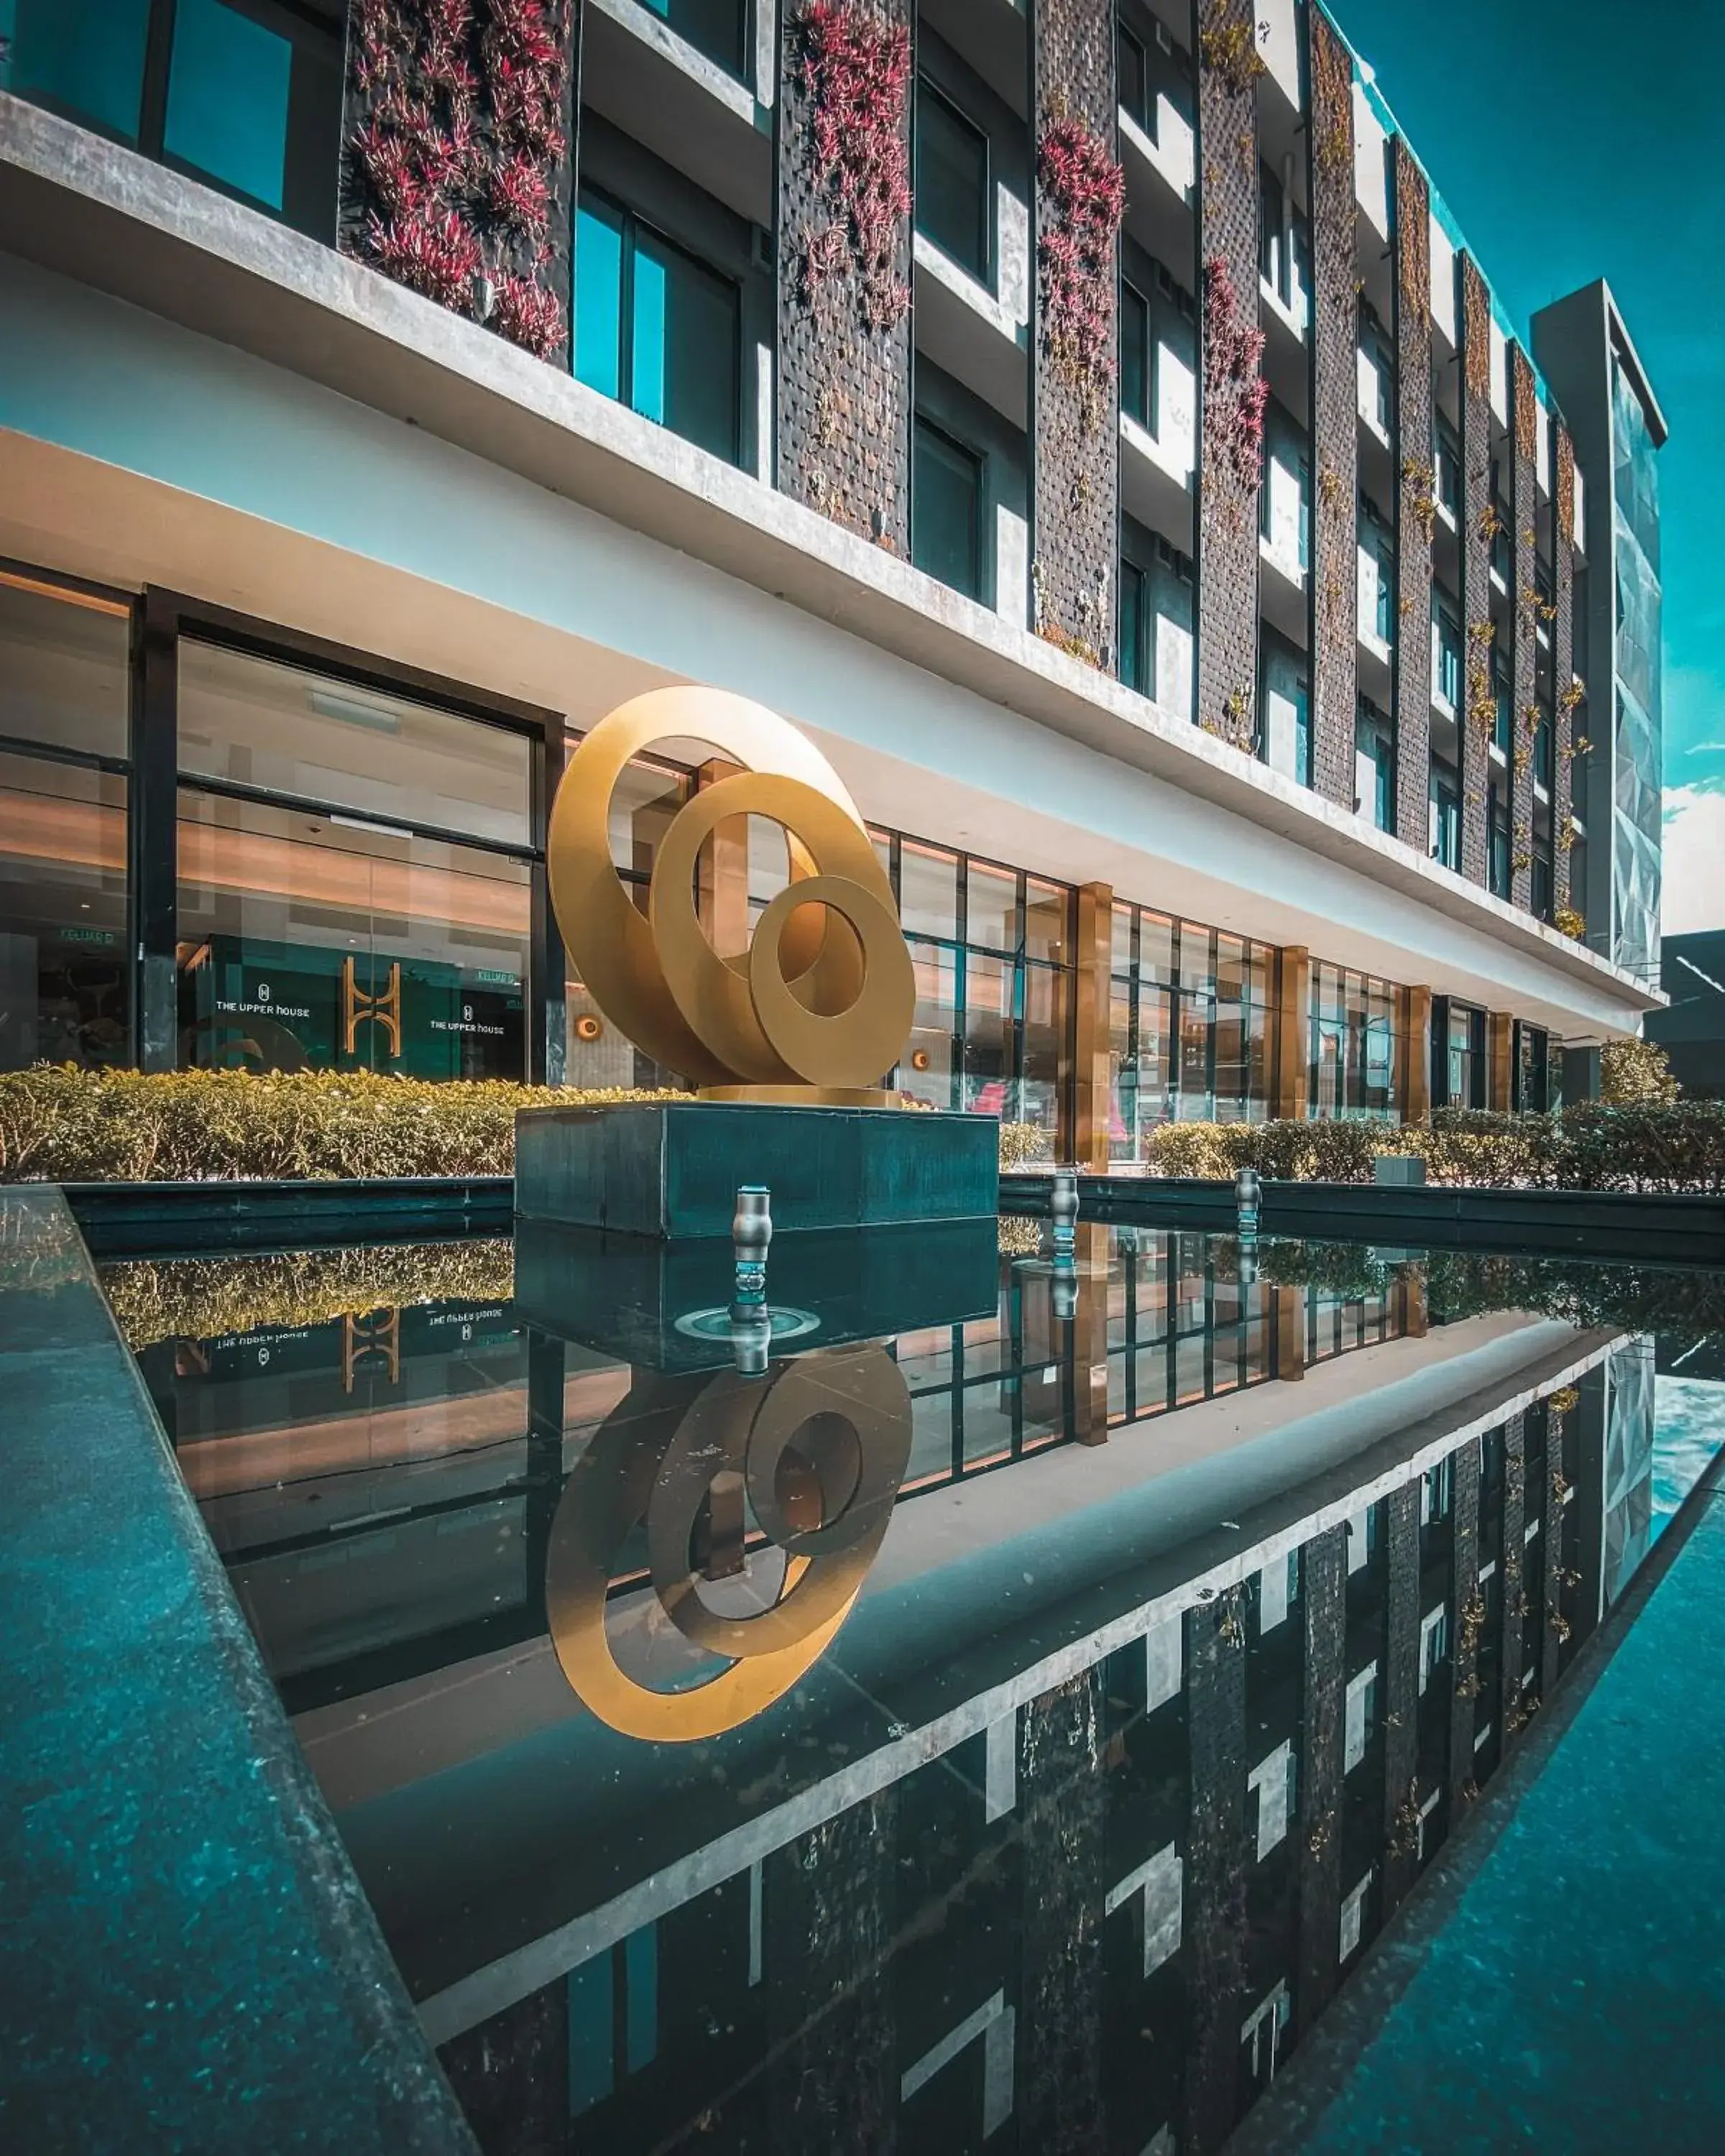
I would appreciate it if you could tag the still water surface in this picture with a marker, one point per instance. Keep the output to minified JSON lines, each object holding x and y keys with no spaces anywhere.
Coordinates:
{"x":1002,"y":1720}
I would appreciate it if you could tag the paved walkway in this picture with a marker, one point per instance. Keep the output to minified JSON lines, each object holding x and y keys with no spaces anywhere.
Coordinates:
{"x":1568,"y":1987}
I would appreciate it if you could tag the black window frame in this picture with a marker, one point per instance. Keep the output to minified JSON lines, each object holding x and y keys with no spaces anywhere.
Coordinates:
{"x":927,"y":87}
{"x":921,"y":423}
{"x":631,"y":223}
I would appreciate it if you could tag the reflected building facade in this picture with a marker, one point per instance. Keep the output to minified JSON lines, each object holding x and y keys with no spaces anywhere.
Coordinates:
{"x":1088,"y":1806}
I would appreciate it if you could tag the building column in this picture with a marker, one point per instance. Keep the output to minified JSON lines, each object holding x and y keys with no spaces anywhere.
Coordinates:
{"x":1401,"y":1692}
{"x":1093,"y":1073}
{"x":1293,"y":1020}
{"x":1216,"y":1862}
{"x":1062,"y":1795}
{"x":1090,"y":1336}
{"x":1287,"y":1318}
{"x":827,"y":1919}
{"x":1414,"y":1073}
{"x":1413,"y":1315}
{"x":1513,"y":1598}
{"x":722,"y":870}
{"x":1323,"y":1595}
{"x":843,"y":406}
{"x":1075,"y":433}
{"x":1464,"y":1602}
{"x":1500,"y":1060}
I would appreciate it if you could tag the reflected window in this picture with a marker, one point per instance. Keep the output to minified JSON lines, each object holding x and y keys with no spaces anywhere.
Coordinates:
{"x":655,"y":328}
{"x":65,"y":978}
{"x":310,"y":942}
{"x":283,"y":730}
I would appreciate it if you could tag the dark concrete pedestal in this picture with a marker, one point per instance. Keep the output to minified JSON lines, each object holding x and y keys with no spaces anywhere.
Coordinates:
{"x":672,"y":1167}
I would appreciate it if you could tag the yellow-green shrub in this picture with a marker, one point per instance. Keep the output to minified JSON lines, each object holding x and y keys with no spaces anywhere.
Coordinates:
{"x":62,"y":1125}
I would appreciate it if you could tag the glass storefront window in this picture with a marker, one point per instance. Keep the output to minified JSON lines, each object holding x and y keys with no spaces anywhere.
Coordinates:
{"x":928,"y":891}
{"x":65,"y":982}
{"x":62,"y":667}
{"x":989,"y":1013}
{"x":1190,"y":1027}
{"x":1352,"y":1066}
{"x":991,"y":949}
{"x":643,"y":802}
{"x":279,"y":729}
{"x":65,"y":972}
{"x":304,"y":942}
{"x":991,"y":899}
{"x":1044,"y":1044}
{"x":926,"y":1070}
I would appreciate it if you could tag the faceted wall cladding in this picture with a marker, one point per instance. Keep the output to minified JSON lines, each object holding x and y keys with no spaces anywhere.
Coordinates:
{"x":1335,"y":314}
{"x":458,"y":159}
{"x":1479,"y":518}
{"x":1216,"y":1863}
{"x":1416,"y":499}
{"x":1231,"y":448}
{"x":1638,"y":729}
{"x":1324,"y":1593}
{"x":1079,"y":192}
{"x":843,"y":373}
{"x":1569,"y":720}
{"x":1524,"y":613}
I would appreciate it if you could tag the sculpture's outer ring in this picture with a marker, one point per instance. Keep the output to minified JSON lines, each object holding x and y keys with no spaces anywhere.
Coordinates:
{"x":609,"y":940}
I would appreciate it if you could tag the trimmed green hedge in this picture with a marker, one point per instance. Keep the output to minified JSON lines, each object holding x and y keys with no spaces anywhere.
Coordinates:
{"x":1649,"y":1146}
{"x":59,"y":1124}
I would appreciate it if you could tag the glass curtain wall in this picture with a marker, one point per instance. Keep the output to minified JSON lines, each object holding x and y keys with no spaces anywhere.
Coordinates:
{"x":1355,"y":1049}
{"x":1458,"y":1057}
{"x":1189,"y":1026}
{"x":65,"y":978}
{"x":993,"y":952}
{"x":355,"y":876}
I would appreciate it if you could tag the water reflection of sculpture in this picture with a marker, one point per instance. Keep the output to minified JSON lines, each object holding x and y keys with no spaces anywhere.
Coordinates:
{"x":815,"y":1451}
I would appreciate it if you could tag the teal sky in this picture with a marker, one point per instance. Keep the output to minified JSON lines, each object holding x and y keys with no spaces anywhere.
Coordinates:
{"x":1573,"y":141}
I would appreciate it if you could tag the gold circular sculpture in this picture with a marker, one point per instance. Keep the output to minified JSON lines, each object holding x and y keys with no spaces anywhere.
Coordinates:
{"x":821,"y":1004}
{"x":819,"y":1446}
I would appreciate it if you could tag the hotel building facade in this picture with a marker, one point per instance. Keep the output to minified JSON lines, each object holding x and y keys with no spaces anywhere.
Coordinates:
{"x":1085,"y":420}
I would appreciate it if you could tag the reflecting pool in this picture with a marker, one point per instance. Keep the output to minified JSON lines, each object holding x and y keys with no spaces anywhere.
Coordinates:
{"x":998,"y":1711}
